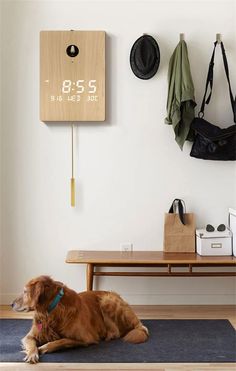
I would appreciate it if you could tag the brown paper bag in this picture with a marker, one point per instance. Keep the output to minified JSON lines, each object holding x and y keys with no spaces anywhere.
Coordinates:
{"x":179,"y":237}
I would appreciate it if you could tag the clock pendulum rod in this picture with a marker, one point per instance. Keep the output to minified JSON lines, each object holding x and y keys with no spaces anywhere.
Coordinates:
{"x":72,"y":181}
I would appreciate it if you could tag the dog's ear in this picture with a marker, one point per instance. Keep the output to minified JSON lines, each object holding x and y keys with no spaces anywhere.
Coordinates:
{"x":36,"y":293}
{"x":40,"y":290}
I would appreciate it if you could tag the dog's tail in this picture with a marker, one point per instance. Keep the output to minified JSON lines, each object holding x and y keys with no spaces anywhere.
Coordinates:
{"x":138,"y":335}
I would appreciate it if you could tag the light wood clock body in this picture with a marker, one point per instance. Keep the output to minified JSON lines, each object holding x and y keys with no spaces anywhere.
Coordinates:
{"x":72,"y":87}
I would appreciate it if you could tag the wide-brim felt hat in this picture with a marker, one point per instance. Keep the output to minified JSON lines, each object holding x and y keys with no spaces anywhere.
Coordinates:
{"x":145,"y":57}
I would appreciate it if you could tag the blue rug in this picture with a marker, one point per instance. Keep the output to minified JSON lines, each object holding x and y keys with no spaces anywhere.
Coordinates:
{"x":171,"y":341}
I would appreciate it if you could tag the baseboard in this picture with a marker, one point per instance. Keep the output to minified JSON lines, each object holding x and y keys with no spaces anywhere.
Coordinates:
{"x":162,"y":299}
{"x":179,"y":299}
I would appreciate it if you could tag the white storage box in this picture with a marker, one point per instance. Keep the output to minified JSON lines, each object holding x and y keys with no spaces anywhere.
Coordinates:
{"x":232,"y":226}
{"x":214,"y":243}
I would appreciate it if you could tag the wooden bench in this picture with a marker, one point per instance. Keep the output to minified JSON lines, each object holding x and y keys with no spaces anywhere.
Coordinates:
{"x":148,"y":259}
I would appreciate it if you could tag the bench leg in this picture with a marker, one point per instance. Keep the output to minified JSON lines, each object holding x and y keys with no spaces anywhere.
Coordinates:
{"x":89,"y":276}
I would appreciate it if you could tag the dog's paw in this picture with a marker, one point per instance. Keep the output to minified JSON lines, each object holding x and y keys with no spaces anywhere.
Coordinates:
{"x":32,"y":357}
{"x":43,"y":349}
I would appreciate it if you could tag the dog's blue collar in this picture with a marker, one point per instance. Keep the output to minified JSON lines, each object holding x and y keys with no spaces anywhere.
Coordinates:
{"x":56,"y":300}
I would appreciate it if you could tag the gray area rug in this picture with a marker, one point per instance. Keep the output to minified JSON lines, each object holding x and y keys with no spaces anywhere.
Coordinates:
{"x":171,"y":341}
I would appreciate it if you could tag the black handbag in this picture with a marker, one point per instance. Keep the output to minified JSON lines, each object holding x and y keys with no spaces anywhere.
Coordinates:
{"x":210,"y":141}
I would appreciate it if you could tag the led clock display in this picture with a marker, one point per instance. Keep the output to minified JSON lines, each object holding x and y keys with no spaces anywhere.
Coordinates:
{"x":76,"y":91}
{"x":81,"y":85}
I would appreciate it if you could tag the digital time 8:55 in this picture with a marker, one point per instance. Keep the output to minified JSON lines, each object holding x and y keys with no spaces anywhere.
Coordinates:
{"x":69,"y":86}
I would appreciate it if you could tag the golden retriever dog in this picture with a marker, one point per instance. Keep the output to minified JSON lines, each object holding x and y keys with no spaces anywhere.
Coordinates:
{"x":65,"y":319}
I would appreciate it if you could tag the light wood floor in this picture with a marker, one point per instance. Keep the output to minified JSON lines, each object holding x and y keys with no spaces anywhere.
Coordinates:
{"x":145,"y":312}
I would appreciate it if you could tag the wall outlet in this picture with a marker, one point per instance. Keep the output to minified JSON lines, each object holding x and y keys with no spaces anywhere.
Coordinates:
{"x":126,"y":247}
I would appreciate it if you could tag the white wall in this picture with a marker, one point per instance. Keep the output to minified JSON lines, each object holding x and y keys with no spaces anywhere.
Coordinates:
{"x":128,"y":169}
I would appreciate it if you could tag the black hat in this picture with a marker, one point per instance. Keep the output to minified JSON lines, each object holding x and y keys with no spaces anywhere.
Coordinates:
{"x":145,"y":57}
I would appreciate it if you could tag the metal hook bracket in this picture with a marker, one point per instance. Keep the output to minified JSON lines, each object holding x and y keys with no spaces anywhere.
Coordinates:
{"x":218,"y":38}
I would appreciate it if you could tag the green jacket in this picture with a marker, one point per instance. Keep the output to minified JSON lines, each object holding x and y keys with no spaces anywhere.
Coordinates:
{"x":181,"y":101}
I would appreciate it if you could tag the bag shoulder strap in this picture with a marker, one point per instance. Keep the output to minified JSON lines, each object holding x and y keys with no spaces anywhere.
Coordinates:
{"x":232,"y":99}
{"x":209,"y":82}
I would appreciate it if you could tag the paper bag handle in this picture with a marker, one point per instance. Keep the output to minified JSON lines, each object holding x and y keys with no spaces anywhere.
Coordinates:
{"x":181,"y":207}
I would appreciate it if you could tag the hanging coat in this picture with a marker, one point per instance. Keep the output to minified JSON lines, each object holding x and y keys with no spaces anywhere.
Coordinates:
{"x":181,"y":101}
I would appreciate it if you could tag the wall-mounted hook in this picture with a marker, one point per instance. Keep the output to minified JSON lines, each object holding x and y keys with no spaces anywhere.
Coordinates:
{"x":181,"y":37}
{"x":218,"y":38}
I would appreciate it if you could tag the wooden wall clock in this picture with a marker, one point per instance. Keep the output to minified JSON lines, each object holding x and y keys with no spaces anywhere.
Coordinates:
{"x":72,"y":76}
{"x":72,"y":79}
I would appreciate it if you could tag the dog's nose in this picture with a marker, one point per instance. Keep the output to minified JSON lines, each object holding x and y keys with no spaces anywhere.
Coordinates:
{"x":12,"y":305}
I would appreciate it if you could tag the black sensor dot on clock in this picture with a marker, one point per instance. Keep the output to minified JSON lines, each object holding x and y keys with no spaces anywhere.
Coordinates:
{"x":72,"y":51}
